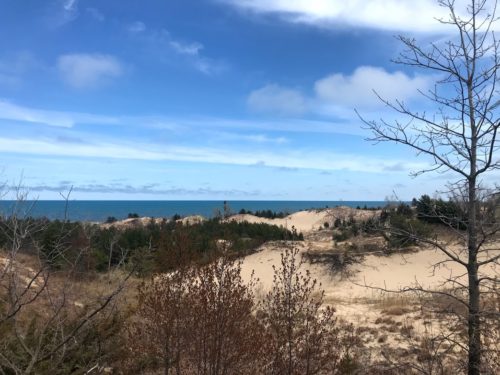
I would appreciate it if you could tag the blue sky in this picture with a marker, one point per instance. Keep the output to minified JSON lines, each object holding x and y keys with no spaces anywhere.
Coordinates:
{"x":208,"y":99}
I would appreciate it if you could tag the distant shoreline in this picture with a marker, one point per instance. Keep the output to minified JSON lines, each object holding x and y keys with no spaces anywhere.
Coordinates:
{"x":100,"y":210}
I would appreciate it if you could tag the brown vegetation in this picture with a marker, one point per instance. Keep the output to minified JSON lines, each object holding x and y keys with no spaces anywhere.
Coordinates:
{"x":205,"y":320}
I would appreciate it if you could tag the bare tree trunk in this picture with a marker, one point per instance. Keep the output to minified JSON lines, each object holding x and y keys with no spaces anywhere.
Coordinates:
{"x":474,"y":330}
{"x":474,"y":323}
{"x":461,"y":138}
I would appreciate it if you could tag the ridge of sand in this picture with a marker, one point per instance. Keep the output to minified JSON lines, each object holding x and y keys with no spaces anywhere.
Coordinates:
{"x":143,"y":221}
{"x":302,"y":221}
{"x":190,"y":220}
{"x":309,"y":220}
{"x":134,"y":222}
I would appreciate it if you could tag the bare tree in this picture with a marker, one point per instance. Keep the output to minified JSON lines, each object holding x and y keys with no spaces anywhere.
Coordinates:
{"x":461,"y":137}
{"x":49,"y":322}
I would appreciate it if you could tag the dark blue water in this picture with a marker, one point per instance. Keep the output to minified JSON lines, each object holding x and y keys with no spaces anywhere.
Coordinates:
{"x":100,"y":210}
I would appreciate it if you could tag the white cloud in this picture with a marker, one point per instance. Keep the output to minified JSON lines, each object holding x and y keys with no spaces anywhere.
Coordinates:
{"x":294,"y":125}
{"x":10,"y":111}
{"x":338,"y":94}
{"x":391,"y":15}
{"x":70,"y":5}
{"x":62,"y":12}
{"x":254,"y":138}
{"x":319,"y":160}
{"x":192,"y":49}
{"x":88,"y":70}
{"x":276,"y":99}
{"x":15,"y":112}
{"x":357,"y":90}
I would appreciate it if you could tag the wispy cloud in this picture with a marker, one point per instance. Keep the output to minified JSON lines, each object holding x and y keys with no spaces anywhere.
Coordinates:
{"x":162,"y":41}
{"x":290,"y":158}
{"x":85,"y":71}
{"x":70,"y":5}
{"x":346,"y":125}
{"x":276,"y":99}
{"x":148,"y":189}
{"x":252,"y":138}
{"x":13,"y":112}
{"x":191,"y":49}
{"x":62,"y":12}
{"x":225,"y":128}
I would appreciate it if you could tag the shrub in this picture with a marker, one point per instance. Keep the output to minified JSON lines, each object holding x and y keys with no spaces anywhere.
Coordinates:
{"x":337,"y":223}
{"x":197,"y":318}
{"x":342,"y":235}
{"x":438,"y":211}
{"x":303,"y":336}
{"x":405,"y":232}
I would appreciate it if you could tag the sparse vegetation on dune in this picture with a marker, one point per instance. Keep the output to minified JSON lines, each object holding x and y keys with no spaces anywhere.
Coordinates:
{"x":198,"y":309}
{"x":141,"y":244}
{"x":211,"y":106}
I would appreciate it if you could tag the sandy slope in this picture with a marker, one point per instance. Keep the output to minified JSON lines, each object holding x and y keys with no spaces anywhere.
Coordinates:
{"x":133,"y":222}
{"x":303,"y":221}
{"x":355,"y":294}
{"x":143,"y":221}
{"x":392,"y":272}
{"x":306,"y":221}
{"x":367,"y":308}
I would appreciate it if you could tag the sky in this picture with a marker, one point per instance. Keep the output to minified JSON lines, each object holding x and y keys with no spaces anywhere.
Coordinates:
{"x":209,"y":99}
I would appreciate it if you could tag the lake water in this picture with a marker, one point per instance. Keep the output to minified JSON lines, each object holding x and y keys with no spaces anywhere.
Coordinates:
{"x":100,"y":210}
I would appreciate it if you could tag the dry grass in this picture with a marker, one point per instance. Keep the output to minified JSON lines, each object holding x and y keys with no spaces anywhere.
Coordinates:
{"x":394,"y":304}
{"x":396,"y":310}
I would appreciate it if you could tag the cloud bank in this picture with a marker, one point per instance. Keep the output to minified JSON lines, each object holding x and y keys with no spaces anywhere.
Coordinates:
{"x":387,"y":15}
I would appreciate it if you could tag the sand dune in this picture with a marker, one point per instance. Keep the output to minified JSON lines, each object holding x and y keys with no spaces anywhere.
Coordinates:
{"x":393,"y":272}
{"x":310,"y":220}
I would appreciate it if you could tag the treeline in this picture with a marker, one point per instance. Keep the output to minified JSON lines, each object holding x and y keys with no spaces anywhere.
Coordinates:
{"x":130,"y":215}
{"x":404,"y":224}
{"x":438,"y":211}
{"x":143,"y":247}
{"x":366,"y":208}
{"x":268,"y":214}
